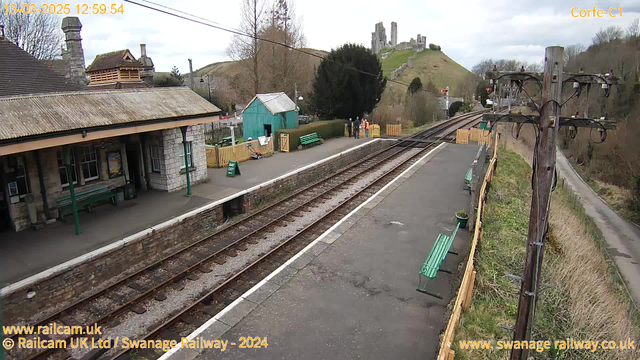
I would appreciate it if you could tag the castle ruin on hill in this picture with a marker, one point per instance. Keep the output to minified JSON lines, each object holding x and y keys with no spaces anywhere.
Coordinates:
{"x":379,"y":40}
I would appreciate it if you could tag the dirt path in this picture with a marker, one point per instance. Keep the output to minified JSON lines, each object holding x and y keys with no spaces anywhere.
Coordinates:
{"x":622,"y":237}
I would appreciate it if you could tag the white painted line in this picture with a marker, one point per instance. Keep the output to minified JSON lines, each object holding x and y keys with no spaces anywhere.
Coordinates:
{"x":257,"y":286}
{"x":9,"y":289}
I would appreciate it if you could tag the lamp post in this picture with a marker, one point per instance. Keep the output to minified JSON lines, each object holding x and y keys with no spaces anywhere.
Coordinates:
{"x":208,"y":84}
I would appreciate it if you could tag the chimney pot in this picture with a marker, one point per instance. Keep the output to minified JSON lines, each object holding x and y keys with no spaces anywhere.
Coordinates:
{"x":143,"y":50}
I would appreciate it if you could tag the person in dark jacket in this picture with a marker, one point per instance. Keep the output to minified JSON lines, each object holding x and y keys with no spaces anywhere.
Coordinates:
{"x":356,"y":128}
{"x":350,"y":126}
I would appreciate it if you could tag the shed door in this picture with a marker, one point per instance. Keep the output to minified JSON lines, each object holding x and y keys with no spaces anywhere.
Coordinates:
{"x":267,"y":130}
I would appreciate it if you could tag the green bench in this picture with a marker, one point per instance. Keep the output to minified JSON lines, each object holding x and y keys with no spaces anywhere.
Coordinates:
{"x":85,"y":199}
{"x":310,"y":139}
{"x":467,"y":179}
{"x":434,"y":261}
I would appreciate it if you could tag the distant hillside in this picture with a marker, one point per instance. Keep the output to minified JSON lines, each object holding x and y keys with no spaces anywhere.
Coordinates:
{"x":429,"y":65}
{"x":232,"y":68}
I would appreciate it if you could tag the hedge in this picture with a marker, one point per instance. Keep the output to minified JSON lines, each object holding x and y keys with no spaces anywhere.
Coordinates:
{"x":325,"y":129}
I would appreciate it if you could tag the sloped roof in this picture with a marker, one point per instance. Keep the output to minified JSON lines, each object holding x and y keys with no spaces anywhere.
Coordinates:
{"x":275,"y":102}
{"x":23,"y":116}
{"x":21,"y":73}
{"x":113,"y":60}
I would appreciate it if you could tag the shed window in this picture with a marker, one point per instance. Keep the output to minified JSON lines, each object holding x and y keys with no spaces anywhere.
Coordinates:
{"x":156,"y":156}
{"x":64,"y":180}
{"x":89,"y":162}
{"x":189,"y":155}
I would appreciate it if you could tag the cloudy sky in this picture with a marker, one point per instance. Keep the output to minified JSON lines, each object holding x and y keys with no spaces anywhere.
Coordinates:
{"x":468,"y":31}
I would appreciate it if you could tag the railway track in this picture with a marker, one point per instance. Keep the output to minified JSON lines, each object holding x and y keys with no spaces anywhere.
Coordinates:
{"x":135,"y":293}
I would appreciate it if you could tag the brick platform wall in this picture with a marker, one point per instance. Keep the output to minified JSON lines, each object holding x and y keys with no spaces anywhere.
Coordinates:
{"x":62,"y":289}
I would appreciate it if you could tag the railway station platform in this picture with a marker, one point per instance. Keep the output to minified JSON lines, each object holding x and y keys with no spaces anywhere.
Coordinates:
{"x":352,"y":292}
{"x":29,"y":252}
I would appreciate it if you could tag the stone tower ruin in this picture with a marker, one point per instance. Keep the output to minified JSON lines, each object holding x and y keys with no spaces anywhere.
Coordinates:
{"x":378,"y":39}
{"x":394,"y":34}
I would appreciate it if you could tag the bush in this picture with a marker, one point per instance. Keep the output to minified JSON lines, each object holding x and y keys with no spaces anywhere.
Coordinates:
{"x":325,"y":129}
{"x":435,"y":47}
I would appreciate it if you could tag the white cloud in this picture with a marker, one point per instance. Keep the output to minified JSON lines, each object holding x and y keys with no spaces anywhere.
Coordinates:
{"x":468,"y":31}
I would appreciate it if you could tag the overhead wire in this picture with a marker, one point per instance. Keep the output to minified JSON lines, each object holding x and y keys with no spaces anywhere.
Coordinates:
{"x":206,"y":22}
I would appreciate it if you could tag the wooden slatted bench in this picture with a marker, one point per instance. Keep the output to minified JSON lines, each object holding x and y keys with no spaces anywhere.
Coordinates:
{"x":85,"y":199}
{"x":467,"y":179}
{"x":310,"y":139}
{"x":434,"y":261}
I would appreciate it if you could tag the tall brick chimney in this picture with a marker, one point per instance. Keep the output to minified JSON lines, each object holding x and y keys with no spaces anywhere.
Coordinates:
{"x":74,"y":55}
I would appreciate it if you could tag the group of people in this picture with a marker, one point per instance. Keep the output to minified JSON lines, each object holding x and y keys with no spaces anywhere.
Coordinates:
{"x":354,"y":127}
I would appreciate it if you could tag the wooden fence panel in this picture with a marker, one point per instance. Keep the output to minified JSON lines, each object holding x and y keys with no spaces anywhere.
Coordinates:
{"x":212,"y":158}
{"x":284,"y":142}
{"x":394,"y":130}
{"x":241,"y":152}
{"x":462,"y":136}
{"x":480,"y":136}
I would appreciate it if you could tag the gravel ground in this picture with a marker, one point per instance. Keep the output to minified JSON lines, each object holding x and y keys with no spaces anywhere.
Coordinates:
{"x":133,"y":325}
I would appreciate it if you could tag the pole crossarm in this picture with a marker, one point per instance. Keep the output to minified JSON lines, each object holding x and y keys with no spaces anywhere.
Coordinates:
{"x":581,"y":78}
{"x":607,"y":124}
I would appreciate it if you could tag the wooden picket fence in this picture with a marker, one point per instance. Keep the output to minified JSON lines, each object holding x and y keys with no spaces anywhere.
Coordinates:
{"x":220,"y":156}
{"x":394,"y":130}
{"x":462,"y":136}
{"x":480,"y":136}
{"x":465,"y":293}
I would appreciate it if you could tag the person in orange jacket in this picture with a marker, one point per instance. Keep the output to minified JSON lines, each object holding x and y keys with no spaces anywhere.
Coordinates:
{"x":365,"y":125}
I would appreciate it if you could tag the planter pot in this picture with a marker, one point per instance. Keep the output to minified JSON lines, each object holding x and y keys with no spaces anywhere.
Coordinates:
{"x":462,"y":221}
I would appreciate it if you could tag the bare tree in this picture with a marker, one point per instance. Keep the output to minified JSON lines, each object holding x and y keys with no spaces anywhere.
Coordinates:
{"x":571,"y":53}
{"x":286,"y":67}
{"x":634,"y":29}
{"x":247,"y":49}
{"x":482,"y":68}
{"x":607,"y":35}
{"x":37,"y":34}
{"x":534,"y":67}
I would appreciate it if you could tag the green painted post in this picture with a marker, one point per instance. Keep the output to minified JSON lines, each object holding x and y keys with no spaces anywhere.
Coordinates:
{"x":67,"y":161}
{"x":186,"y":159}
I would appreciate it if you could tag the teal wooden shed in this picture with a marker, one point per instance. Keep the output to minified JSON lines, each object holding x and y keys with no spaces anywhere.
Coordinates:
{"x":267,"y":113}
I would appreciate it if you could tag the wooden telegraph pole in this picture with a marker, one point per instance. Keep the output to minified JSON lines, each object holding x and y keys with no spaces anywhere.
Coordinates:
{"x":544,"y":159}
{"x":544,"y":163}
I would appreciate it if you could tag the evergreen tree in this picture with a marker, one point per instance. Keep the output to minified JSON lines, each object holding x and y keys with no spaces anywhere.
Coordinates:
{"x":174,"y":79}
{"x":415,"y":86}
{"x":340,"y":91}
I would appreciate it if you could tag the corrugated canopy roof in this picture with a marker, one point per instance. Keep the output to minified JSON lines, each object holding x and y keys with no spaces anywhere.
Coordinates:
{"x":276,"y":102}
{"x":29,"y":115}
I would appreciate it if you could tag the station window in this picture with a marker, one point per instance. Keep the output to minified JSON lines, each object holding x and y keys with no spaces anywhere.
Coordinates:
{"x":20,"y":185}
{"x":189,"y":155}
{"x":64,"y":180}
{"x":89,"y":162}
{"x":156,"y":157}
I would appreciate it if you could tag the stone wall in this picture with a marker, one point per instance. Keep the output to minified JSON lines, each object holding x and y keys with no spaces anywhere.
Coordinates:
{"x":173,"y":163}
{"x":52,"y":181}
{"x":289,"y":184}
{"x":94,"y":273}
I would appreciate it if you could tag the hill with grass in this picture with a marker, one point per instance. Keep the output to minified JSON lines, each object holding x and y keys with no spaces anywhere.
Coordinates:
{"x":428,"y":65}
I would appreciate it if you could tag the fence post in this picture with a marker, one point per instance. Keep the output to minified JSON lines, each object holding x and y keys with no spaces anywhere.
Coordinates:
{"x":469,"y":294}
{"x":217,"y":156}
